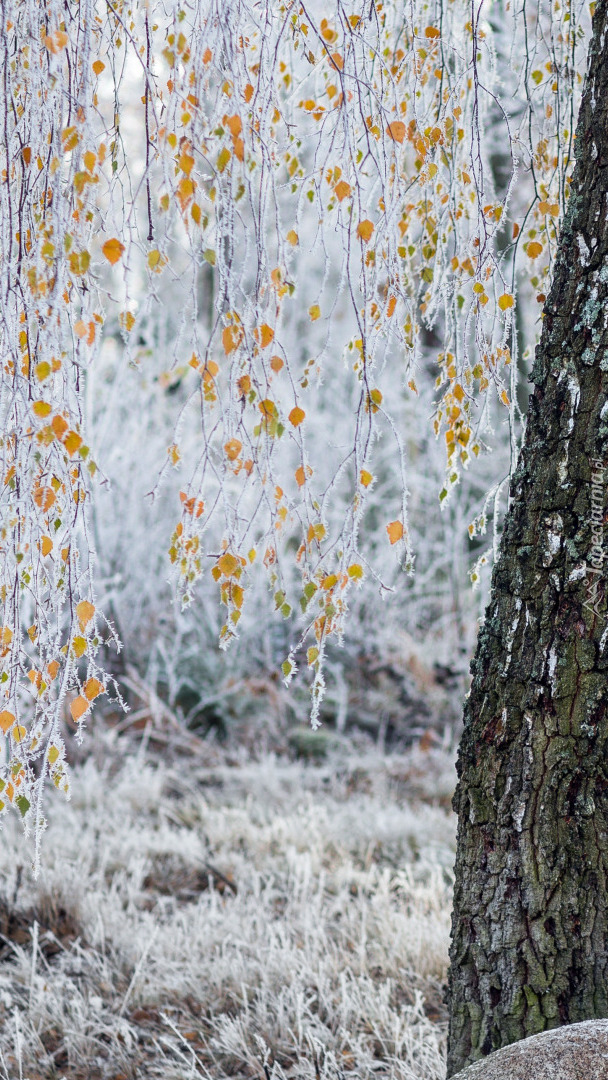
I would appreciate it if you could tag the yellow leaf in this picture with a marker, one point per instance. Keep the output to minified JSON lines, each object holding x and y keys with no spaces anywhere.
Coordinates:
{"x":504,"y":397}
{"x":355,"y":571}
{"x":156,"y":260}
{"x":227,"y":564}
{"x":98,"y":67}
{"x":84,"y":613}
{"x":127,"y":320}
{"x":7,"y":719}
{"x":365,"y":230}
{"x":6,"y":635}
{"x":395,"y":531}
{"x":46,"y":545}
{"x":92,"y":689}
{"x":113,"y":249}
{"x":314,"y":312}
{"x":196,"y":213}
{"x":223,"y":158}
{"x":79,"y":646}
{"x":42,"y":370}
{"x":396,"y":131}
{"x":505,"y":301}
{"x":53,"y":668}
{"x":41,"y":408}
{"x":90,"y":160}
{"x":18,"y":733}
{"x":296,"y":416}
{"x":72,"y":442}
{"x":329,"y":581}
{"x":53,"y":754}
{"x":366,"y":477}
{"x":534,"y":250}
{"x":233,"y":448}
{"x":293,"y":238}
{"x":431,"y":32}
{"x":78,"y":708}
{"x":267,"y":408}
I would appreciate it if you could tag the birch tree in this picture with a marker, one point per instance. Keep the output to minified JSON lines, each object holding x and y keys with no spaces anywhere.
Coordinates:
{"x":284,"y":199}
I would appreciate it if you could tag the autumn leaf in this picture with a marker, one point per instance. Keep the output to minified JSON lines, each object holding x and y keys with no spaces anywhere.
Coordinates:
{"x":7,"y":719}
{"x":79,"y":707}
{"x":395,"y":531}
{"x":296,"y":416}
{"x":112,"y":250}
{"x":92,"y":688}
{"x":293,"y":238}
{"x":98,"y":66}
{"x":276,"y":363}
{"x":366,"y":477}
{"x":342,"y":190}
{"x":505,"y":301}
{"x":534,"y":249}
{"x":46,"y":545}
{"x":264,"y":335}
{"x":315,"y":312}
{"x":365,"y":230}
{"x":84,"y":613}
{"x":227,"y":564}
{"x":396,"y":131}
{"x":233,"y":448}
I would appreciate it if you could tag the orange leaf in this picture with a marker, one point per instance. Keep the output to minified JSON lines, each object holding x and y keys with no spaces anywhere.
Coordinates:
{"x":396,"y":131}
{"x":300,"y":476}
{"x":233,"y":448}
{"x":365,"y":230}
{"x":72,"y":442}
{"x":395,"y":531}
{"x":293,"y":238}
{"x":276,"y":363}
{"x":229,"y":339}
{"x":44,"y":497}
{"x":7,"y":719}
{"x":265,"y":334}
{"x":296,"y":416}
{"x":248,"y":92}
{"x":78,"y":708}
{"x":534,"y":250}
{"x":98,"y":67}
{"x":92,"y":689}
{"x":342,"y":190}
{"x":53,"y":668}
{"x":113,"y":249}
{"x":46,"y":545}
{"x":59,"y":426}
{"x":84,"y":613}
{"x":234,"y":124}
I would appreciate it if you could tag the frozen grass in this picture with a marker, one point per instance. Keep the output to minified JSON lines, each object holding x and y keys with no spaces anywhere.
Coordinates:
{"x":253,"y":920}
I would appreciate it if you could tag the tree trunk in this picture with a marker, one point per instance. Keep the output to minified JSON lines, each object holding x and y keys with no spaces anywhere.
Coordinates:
{"x":530,"y":926}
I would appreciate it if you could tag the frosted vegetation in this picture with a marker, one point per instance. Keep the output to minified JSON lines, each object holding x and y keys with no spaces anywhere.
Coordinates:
{"x":215,"y":916}
{"x":269,"y":280}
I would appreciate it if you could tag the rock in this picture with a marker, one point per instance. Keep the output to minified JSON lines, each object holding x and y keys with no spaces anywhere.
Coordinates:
{"x":574,"y":1052}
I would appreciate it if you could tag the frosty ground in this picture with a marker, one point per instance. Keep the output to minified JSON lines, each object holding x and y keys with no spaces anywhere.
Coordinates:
{"x":213,"y":916}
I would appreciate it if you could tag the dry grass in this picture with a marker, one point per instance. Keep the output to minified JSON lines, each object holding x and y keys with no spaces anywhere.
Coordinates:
{"x":252,"y":920}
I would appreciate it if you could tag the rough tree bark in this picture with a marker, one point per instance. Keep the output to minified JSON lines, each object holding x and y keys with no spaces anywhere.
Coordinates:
{"x":530,"y":927}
